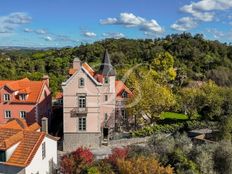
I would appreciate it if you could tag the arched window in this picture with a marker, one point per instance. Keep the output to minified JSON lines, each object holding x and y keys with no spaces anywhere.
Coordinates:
{"x":82,"y":82}
{"x":106,"y":80}
{"x":124,"y":94}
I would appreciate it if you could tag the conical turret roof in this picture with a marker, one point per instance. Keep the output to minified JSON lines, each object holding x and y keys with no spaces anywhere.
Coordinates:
{"x":106,"y":68}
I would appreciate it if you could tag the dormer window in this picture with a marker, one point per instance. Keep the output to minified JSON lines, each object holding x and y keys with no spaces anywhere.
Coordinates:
{"x":81,"y":82}
{"x":2,"y":156}
{"x":7,"y":114}
{"x":106,"y":80}
{"x":22,"y":114}
{"x":22,"y":96}
{"x":6,"y":97}
{"x":124,"y":94}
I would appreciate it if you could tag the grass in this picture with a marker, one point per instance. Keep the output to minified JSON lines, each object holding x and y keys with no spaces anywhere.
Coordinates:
{"x":172,"y":115}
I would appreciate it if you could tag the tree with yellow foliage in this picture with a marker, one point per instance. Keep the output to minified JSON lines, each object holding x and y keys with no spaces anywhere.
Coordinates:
{"x":142,"y":165}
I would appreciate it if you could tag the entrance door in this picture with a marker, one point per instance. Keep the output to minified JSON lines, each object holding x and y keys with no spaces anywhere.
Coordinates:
{"x":105,"y":133}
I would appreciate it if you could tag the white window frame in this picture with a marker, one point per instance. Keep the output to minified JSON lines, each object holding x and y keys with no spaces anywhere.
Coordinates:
{"x":22,"y":114}
{"x":6,"y":97}
{"x":82,"y":101}
{"x":82,"y":124}
{"x":7,"y":114}
{"x":43,"y":150}
{"x":22,"y":96}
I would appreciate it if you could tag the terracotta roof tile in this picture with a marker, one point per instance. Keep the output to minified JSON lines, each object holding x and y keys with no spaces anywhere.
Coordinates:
{"x":120,"y":87}
{"x":6,"y":139}
{"x":72,"y":71}
{"x":28,"y":138}
{"x":27,"y":149}
{"x":88,"y":68}
{"x":59,"y":95}
{"x":33,"y":127}
{"x":33,"y":88}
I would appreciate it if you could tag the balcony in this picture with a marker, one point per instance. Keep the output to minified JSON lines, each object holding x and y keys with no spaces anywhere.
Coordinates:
{"x":78,"y":111}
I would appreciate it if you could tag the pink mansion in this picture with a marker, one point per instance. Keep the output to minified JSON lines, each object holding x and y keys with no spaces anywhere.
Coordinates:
{"x":93,"y":104}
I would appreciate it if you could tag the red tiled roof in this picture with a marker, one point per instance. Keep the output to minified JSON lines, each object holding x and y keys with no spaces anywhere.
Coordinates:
{"x":32,"y":88}
{"x":72,"y":71}
{"x":27,"y":149}
{"x":86,"y":66}
{"x":11,"y":132}
{"x":59,"y":95}
{"x":8,"y":137}
{"x":89,"y":69}
{"x":119,"y":85}
{"x":28,"y":138}
{"x":99,"y":77}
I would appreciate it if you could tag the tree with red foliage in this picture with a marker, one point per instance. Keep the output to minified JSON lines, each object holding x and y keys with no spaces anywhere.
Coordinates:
{"x":118,"y":153}
{"x":76,"y":161}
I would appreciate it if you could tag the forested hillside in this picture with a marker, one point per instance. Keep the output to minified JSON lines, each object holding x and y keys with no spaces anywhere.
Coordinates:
{"x":194,"y":58}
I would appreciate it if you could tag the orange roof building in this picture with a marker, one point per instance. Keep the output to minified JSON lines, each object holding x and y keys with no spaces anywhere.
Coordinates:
{"x":25,"y":99}
{"x":93,"y":104}
{"x":24,"y":149}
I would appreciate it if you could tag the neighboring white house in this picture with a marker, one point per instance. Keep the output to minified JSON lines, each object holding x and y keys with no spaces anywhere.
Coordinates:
{"x":26,"y":150}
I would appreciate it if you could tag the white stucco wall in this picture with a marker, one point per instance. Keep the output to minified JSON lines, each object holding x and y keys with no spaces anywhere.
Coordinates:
{"x":11,"y":150}
{"x":42,"y":165}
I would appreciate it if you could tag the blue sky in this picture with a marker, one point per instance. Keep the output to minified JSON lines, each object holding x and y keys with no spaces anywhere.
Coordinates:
{"x":58,"y":23}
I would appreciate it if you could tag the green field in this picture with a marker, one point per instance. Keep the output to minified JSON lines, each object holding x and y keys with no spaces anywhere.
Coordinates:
{"x":172,"y":115}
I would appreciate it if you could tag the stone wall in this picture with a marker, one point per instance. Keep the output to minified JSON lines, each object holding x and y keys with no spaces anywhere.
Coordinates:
{"x":74,"y":140}
{"x":128,"y":141}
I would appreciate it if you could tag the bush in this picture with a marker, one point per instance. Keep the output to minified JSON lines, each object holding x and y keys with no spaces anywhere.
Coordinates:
{"x":117,"y":153}
{"x":76,"y":161}
{"x":93,"y":170}
{"x":143,"y":165}
{"x":172,"y":128}
{"x":103,"y":166}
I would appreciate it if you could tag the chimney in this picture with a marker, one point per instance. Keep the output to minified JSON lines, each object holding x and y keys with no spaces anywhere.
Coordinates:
{"x":46,"y":78}
{"x":44,"y":123}
{"x":76,"y":63}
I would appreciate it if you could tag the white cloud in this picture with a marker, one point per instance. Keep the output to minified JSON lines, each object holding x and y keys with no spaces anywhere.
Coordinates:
{"x":28,"y":30}
{"x":130,"y":20}
{"x":208,"y":5}
{"x":41,"y":31}
{"x":113,"y":35}
{"x":89,"y":34}
{"x":184,"y":24}
{"x":10,"y":22}
{"x":108,"y":21}
{"x":200,"y":15}
{"x":48,"y":38}
{"x":201,"y":11}
{"x":220,"y":35}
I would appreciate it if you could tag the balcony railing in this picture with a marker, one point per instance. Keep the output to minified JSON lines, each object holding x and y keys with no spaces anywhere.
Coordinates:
{"x":77,"y":111}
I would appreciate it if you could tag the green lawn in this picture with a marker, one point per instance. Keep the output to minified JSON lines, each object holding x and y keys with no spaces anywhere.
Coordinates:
{"x":172,"y":115}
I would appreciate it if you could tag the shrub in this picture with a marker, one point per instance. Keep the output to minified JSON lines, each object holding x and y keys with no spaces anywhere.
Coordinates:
{"x":93,"y":170}
{"x":136,"y":150}
{"x":76,"y":161}
{"x":171,"y":128}
{"x":117,"y":153}
{"x":143,"y":165}
{"x":83,"y":154}
{"x":103,"y":167}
